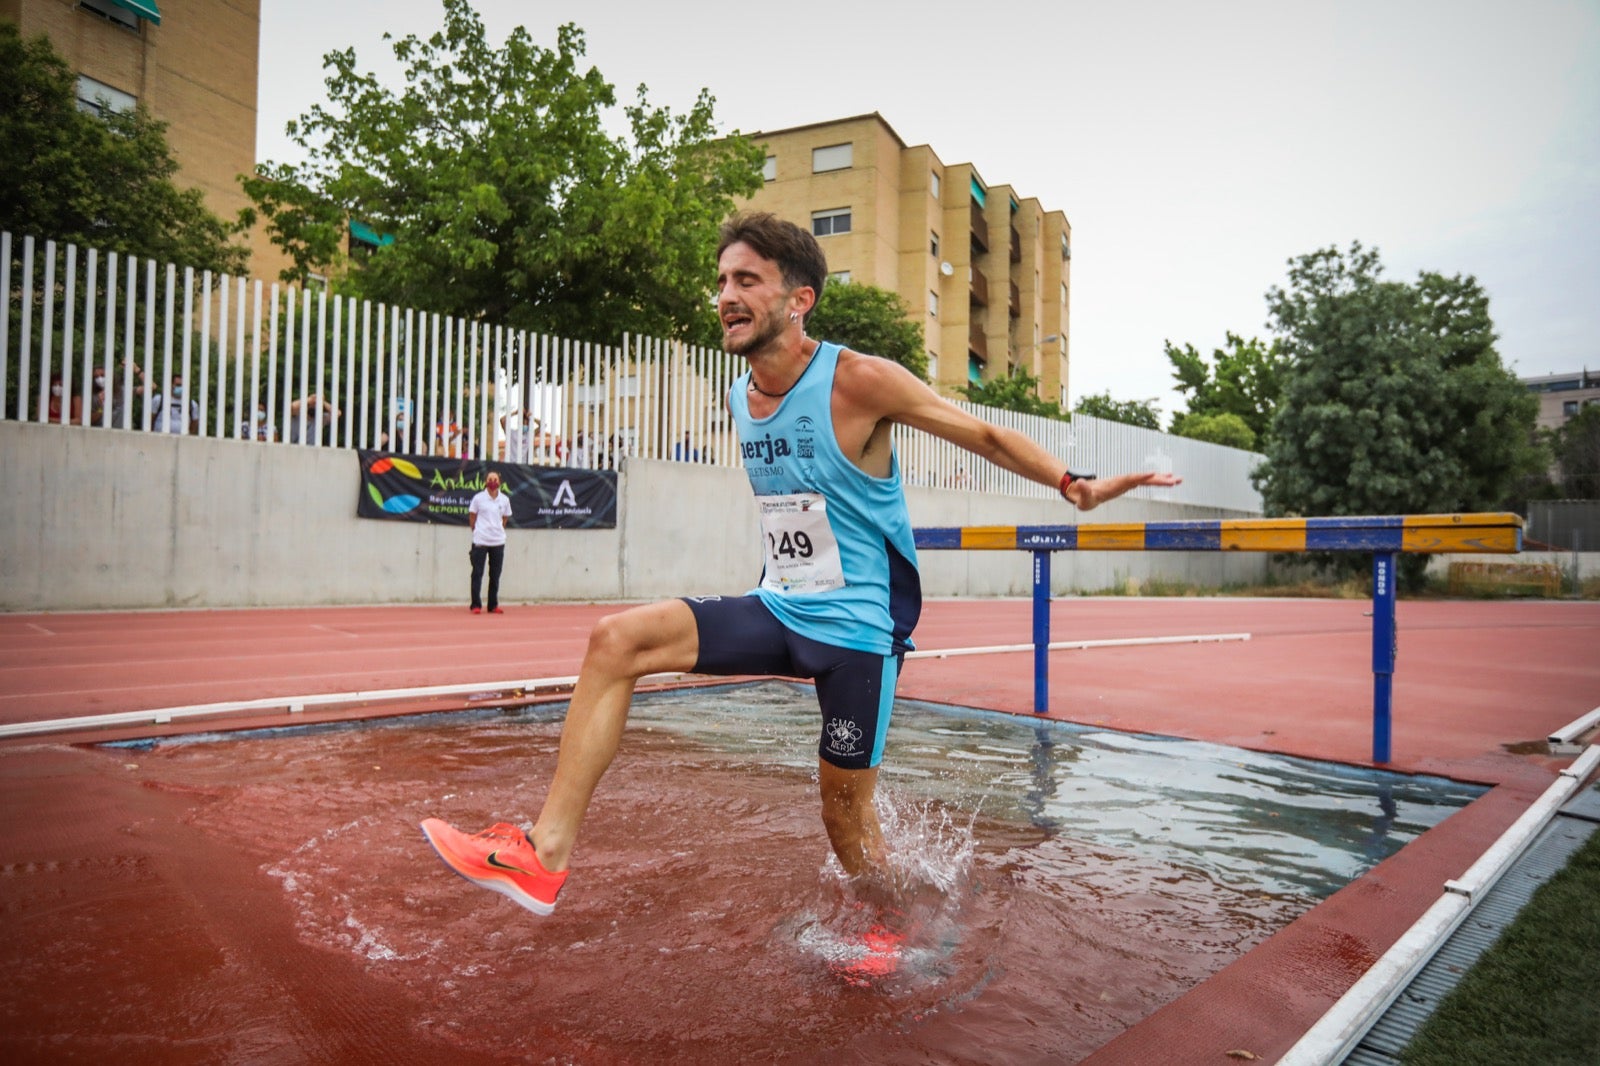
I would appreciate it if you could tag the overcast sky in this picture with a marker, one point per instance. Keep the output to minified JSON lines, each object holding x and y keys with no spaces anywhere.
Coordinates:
{"x":1195,"y":148}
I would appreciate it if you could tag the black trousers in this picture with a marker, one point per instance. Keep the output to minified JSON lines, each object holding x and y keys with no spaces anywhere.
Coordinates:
{"x":497,"y":558}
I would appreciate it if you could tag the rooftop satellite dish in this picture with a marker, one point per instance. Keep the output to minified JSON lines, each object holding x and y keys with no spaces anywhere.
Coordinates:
{"x":946,"y":269}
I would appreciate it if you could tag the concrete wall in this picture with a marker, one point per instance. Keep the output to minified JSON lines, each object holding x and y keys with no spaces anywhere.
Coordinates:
{"x":98,"y":519}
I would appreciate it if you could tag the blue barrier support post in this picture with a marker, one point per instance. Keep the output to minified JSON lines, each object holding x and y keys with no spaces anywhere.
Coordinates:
{"x":1383,"y":648}
{"x":1041,"y":632}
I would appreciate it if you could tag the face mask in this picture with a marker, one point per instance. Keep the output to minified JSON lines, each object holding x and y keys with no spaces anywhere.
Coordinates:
{"x":99,"y":382}
{"x":177,"y":391}
{"x":55,"y":390}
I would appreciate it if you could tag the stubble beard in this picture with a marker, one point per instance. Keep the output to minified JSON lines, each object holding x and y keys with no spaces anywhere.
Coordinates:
{"x":763,"y":332}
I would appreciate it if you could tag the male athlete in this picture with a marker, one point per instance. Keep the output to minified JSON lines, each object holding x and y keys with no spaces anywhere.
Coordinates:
{"x":839,"y":594}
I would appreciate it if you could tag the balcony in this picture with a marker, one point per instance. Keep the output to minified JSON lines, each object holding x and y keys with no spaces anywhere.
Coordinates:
{"x":977,"y":287}
{"x":1016,"y":245}
{"x":980,"y":229}
{"x":1016,"y":301}
{"x":977,"y":343}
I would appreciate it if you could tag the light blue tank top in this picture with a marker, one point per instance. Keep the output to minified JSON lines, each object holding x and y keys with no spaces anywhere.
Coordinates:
{"x":868,"y":595}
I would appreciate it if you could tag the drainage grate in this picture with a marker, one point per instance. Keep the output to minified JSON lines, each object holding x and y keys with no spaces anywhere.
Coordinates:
{"x":1545,"y":858}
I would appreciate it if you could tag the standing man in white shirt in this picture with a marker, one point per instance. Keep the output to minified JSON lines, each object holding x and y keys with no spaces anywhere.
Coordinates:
{"x":487,"y":515}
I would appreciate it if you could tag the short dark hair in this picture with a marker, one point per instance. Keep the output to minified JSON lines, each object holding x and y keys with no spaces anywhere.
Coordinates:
{"x":799,"y":257}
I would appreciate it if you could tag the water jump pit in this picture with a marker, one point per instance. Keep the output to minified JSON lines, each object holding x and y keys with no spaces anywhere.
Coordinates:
{"x":268,"y":897}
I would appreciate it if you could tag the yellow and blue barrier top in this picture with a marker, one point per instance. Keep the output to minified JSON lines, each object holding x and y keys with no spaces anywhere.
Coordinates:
{"x":1497,"y":533}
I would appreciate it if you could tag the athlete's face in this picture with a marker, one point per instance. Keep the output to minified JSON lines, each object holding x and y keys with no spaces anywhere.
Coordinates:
{"x":753,"y":302}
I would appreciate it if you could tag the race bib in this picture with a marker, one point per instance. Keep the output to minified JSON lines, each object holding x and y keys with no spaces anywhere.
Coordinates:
{"x":802,"y":554}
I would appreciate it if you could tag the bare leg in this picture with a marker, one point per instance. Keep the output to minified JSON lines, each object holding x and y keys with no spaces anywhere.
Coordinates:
{"x":660,"y":637}
{"x":852,"y":821}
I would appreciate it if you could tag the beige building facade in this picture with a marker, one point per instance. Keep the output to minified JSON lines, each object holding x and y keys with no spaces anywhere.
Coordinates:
{"x":1563,"y":396}
{"x":985,"y":270}
{"x":193,"y":64}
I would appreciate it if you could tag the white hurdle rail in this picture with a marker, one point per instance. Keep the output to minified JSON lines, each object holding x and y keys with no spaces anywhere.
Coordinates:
{"x":490,"y":690}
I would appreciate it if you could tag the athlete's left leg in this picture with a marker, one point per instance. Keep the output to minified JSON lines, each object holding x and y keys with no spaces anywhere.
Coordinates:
{"x":852,"y":820}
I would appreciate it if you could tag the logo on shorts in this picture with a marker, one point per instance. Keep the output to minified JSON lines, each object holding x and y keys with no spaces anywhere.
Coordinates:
{"x":842,"y":736}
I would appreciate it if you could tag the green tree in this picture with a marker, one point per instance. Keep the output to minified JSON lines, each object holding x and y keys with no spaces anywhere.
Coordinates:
{"x":1226,"y":429}
{"x":1243,"y":379}
{"x":1577,"y":448}
{"x":103,"y":182}
{"x":1394,"y":399}
{"x":505,"y":197}
{"x":1017,"y":391}
{"x":872,"y":320}
{"x":1143,"y":413}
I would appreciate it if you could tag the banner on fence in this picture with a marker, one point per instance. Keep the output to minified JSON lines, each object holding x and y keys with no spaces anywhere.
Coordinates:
{"x":418,"y":488}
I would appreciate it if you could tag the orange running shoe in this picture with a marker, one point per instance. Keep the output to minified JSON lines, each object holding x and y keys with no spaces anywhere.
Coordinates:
{"x":500,"y":859}
{"x":878,"y":956}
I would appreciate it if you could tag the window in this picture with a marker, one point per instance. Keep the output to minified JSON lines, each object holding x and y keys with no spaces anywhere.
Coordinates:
{"x":1066,"y":249}
{"x":98,"y":98}
{"x":1063,"y":294}
{"x":933,"y":185}
{"x":833,"y":157}
{"x":769,"y":169}
{"x":1569,"y":408}
{"x":933,"y":367}
{"x":840,"y":277}
{"x":933,"y":245}
{"x":933,"y":304}
{"x":827,"y":223}
{"x":111,"y":12}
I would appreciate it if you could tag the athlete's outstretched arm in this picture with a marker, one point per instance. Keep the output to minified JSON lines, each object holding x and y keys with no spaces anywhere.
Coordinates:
{"x":869,"y":389}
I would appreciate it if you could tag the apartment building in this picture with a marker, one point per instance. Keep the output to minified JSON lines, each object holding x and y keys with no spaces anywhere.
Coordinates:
{"x":1562,"y":396}
{"x":192,"y":63}
{"x":984,"y":269}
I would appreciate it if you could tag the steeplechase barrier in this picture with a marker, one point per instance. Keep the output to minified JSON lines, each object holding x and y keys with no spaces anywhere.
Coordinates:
{"x":1386,"y":537}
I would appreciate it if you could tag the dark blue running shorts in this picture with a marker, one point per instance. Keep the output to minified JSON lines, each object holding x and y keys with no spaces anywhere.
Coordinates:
{"x":855,"y":689}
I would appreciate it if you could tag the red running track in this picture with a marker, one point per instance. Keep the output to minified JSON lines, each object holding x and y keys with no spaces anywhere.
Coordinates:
{"x":1478,"y":685}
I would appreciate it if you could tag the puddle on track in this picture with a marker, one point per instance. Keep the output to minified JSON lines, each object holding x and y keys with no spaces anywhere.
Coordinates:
{"x":1088,"y":878}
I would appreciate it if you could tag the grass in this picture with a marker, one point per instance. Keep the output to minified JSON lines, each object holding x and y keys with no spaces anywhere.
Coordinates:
{"x":1534,"y":997}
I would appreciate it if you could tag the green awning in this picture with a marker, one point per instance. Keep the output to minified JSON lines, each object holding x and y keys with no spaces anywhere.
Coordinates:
{"x":978,"y":194}
{"x":145,"y":9}
{"x":367,"y":235}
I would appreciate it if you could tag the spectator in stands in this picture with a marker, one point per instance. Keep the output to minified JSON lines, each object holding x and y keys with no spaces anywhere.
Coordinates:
{"x":172,"y":413}
{"x":684,"y":451}
{"x":59,"y":402}
{"x":122,"y":397}
{"x":521,"y":435}
{"x":320,"y":418}
{"x":263,"y":430}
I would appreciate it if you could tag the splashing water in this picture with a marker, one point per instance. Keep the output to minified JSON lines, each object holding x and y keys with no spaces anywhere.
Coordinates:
{"x":896,"y":933}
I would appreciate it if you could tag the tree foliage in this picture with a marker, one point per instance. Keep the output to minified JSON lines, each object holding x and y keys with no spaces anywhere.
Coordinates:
{"x":1394,"y":400}
{"x":103,"y":182}
{"x":1227,"y":429}
{"x":504,"y":194}
{"x":1143,"y":413}
{"x":1242,"y":379}
{"x":1577,"y":450}
{"x":1017,"y":391}
{"x":871,"y":320}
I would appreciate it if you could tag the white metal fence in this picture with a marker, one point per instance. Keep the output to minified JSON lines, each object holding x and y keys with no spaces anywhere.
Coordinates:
{"x":100,"y":339}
